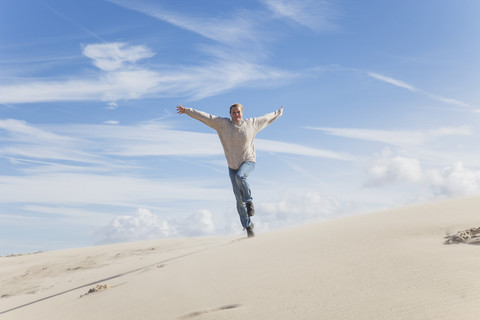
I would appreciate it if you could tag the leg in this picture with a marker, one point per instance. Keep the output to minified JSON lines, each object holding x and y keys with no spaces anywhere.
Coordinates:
{"x":238,"y":184}
{"x":241,"y":179}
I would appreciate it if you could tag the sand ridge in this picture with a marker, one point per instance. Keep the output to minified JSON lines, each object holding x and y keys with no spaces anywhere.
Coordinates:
{"x":384,"y":265}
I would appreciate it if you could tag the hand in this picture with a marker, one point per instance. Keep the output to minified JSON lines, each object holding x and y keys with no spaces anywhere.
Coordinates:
{"x":180,"y":109}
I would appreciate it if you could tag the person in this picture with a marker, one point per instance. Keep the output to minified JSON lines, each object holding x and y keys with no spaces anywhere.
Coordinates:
{"x":237,"y":138}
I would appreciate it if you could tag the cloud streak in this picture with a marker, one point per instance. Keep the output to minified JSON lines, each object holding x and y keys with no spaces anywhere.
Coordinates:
{"x":317,"y":15}
{"x":397,"y":137}
{"x":395,"y":82}
{"x":96,"y":36}
{"x":90,"y":164}
{"x":120,"y":76}
{"x":99,"y":144}
{"x":404,"y":85}
{"x":291,"y":148}
{"x":237,"y":28}
{"x":97,"y":189}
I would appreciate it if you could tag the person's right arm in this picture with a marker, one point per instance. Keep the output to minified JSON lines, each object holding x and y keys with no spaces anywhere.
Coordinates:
{"x":210,"y":120}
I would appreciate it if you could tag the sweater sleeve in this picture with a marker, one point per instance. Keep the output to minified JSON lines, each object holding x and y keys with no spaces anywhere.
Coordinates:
{"x":212,"y":121}
{"x":263,"y":121}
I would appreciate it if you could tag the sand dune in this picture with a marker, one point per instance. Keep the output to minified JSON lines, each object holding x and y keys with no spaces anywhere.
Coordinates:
{"x":385,"y":265}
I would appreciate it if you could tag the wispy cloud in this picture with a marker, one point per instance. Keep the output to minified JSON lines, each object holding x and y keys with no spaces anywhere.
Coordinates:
{"x":397,"y":137}
{"x":109,"y":86}
{"x":448,"y":100}
{"x":235,"y":28}
{"x":317,"y":15}
{"x":121,"y":77}
{"x":21,"y":140}
{"x":108,"y":148}
{"x":395,"y":82}
{"x":98,"y":189}
{"x":404,"y":85}
{"x":157,"y":139}
{"x":296,"y":149}
{"x":72,"y":21}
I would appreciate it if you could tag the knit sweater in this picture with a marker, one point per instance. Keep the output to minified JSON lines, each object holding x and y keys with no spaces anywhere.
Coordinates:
{"x":236,"y":138}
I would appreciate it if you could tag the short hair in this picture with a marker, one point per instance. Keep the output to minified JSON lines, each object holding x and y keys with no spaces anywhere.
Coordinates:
{"x":235,"y":105}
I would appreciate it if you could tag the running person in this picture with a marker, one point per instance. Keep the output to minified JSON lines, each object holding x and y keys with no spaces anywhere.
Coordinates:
{"x":237,"y":135}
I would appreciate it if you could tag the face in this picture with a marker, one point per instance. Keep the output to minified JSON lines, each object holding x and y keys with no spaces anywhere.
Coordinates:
{"x":236,"y":114}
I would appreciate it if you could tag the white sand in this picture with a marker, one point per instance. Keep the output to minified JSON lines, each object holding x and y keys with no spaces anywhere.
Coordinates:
{"x":385,"y":265}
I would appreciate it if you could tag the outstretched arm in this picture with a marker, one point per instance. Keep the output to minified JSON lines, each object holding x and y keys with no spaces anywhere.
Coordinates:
{"x":212,"y":121}
{"x":263,"y":121}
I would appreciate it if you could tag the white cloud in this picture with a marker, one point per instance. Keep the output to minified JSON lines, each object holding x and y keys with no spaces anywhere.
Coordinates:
{"x":198,"y":224}
{"x":115,"y":55}
{"x":112,"y":105}
{"x":146,"y":226}
{"x":451,"y":181}
{"x":141,"y":226}
{"x":297,"y":207}
{"x":388,"y":169}
{"x":455,"y":180}
{"x":120,"y":77}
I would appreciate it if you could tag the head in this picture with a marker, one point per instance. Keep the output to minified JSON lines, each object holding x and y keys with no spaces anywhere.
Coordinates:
{"x":236,"y":112}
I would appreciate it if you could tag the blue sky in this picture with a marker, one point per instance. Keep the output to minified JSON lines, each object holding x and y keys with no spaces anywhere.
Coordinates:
{"x":381,"y":110}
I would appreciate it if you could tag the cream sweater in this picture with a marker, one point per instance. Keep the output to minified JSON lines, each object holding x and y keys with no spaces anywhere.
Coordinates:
{"x":236,"y":138}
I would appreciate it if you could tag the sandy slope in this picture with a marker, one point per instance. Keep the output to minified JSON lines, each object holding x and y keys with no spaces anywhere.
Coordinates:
{"x":385,"y":265}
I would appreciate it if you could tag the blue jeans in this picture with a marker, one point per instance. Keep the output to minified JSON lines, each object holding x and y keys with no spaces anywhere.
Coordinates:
{"x":241,"y":189}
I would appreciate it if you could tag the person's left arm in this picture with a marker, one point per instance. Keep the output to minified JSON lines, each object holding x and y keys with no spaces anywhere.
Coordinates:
{"x":263,"y":121}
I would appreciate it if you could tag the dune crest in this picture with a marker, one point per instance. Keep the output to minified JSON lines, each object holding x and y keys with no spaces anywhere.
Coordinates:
{"x":386,"y":265}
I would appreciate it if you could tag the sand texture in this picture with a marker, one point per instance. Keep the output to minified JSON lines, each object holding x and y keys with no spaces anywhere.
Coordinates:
{"x":392,"y":264}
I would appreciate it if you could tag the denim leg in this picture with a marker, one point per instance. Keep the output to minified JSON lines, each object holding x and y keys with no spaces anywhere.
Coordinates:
{"x":241,"y":190}
{"x":241,"y":178}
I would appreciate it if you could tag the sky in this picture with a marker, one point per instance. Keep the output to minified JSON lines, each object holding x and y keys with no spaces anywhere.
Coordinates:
{"x":381,"y":110}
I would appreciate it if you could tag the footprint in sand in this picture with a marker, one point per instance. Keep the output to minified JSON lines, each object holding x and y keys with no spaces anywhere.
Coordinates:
{"x":199,"y":313}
